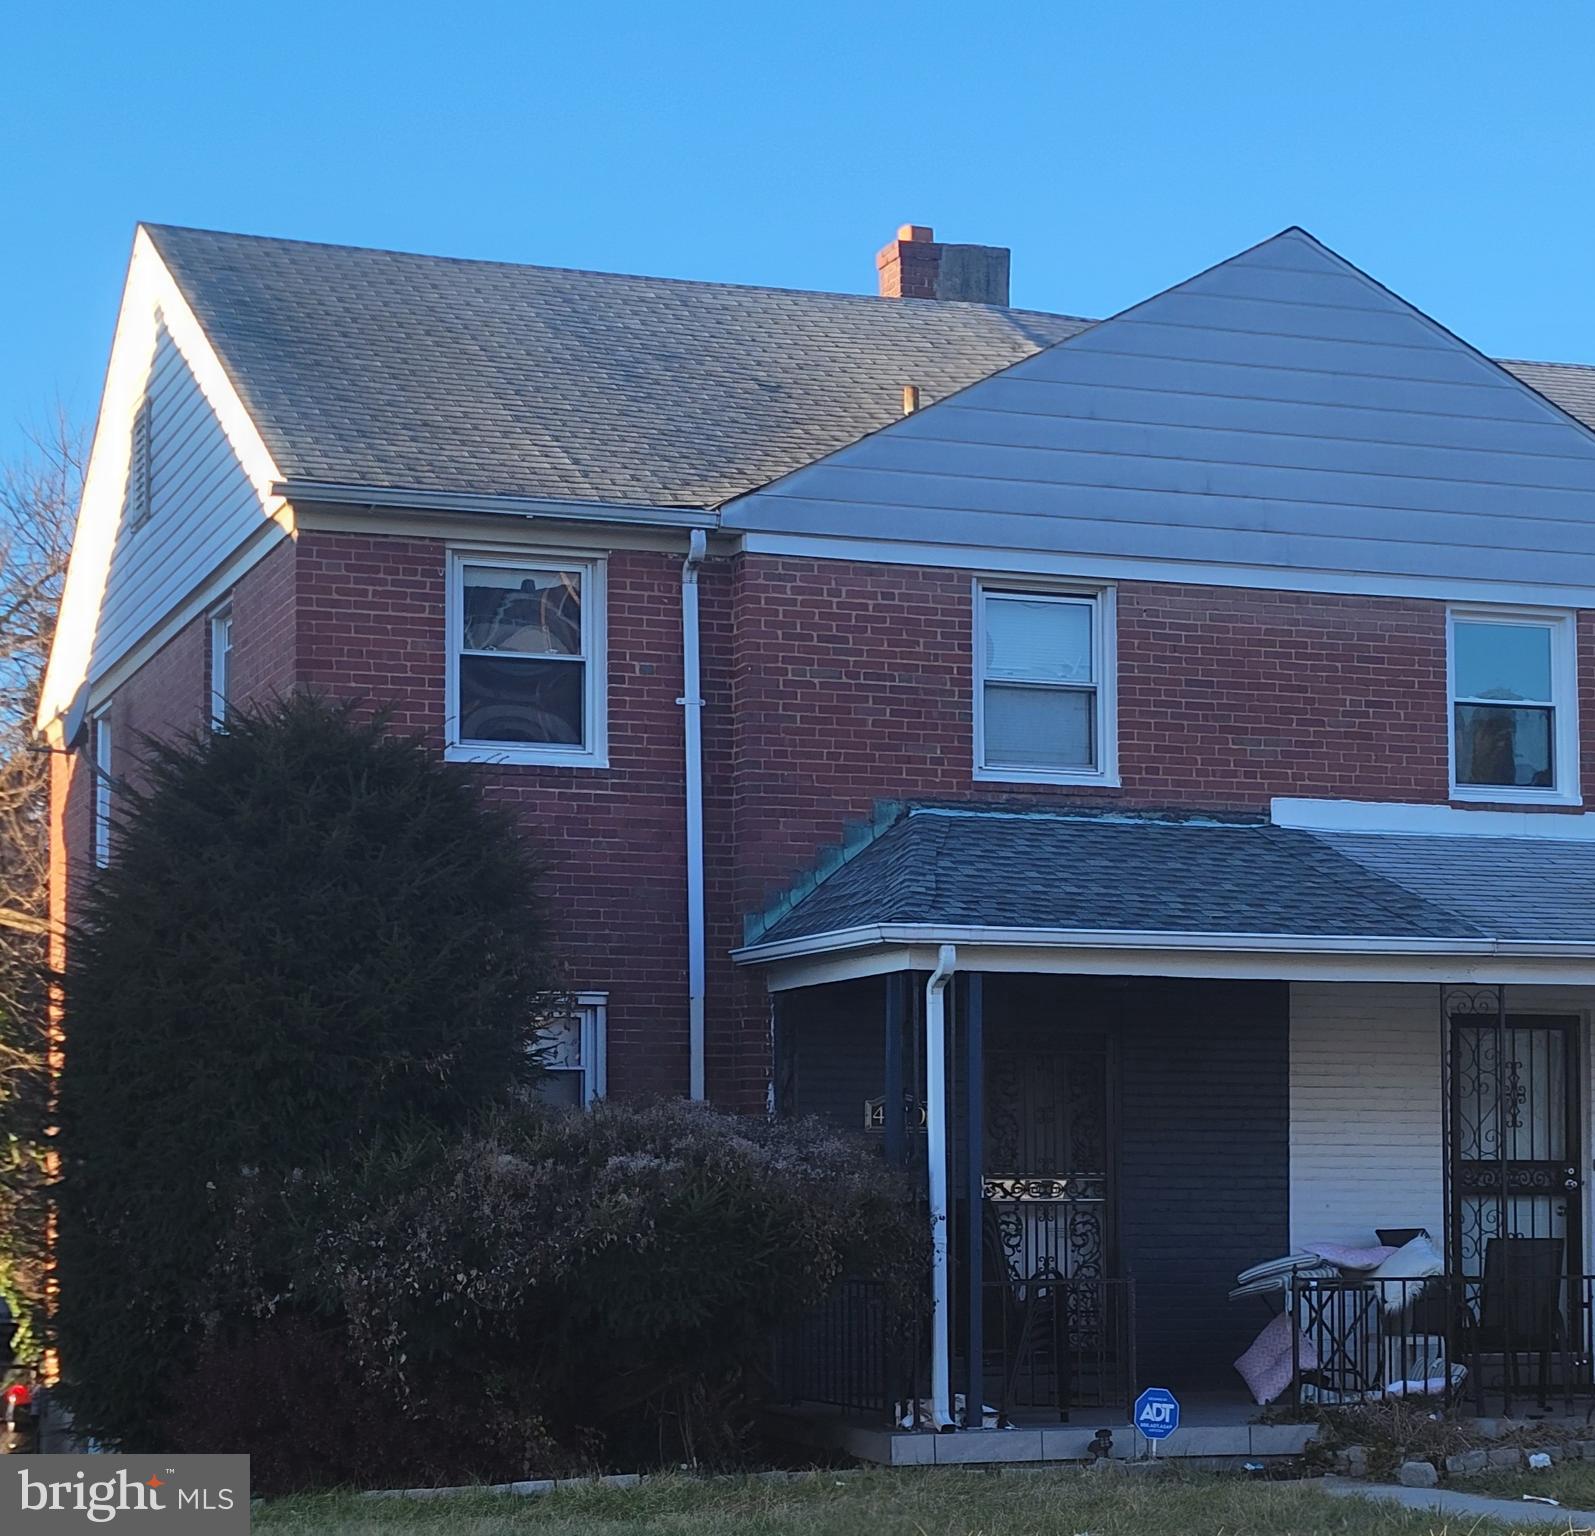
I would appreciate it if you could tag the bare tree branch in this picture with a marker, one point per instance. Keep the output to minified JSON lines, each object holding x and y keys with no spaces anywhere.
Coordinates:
{"x":38,"y":504}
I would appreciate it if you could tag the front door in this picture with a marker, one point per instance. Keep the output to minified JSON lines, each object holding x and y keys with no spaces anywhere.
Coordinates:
{"x":1048,"y":1152}
{"x":1515,"y":1118}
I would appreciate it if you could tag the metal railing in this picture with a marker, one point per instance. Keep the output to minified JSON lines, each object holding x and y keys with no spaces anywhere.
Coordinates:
{"x":1476,"y":1345}
{"x":1051,"y":1346}
{"x":1054,"y":1345}
{"x":859,"y":1351}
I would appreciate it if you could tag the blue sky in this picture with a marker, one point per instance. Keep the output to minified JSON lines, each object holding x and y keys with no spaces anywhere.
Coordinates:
{"x":1116,"y":145}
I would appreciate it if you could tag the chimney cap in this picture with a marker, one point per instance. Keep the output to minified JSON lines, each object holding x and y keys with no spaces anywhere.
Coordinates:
{"x":919,"y":234}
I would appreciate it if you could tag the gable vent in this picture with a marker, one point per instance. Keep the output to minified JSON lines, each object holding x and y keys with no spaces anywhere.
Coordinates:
{"x":138,"y":468}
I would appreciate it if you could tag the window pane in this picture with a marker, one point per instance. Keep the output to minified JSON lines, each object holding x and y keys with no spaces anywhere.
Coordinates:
{"x":561,"y":1088}
{"x":1040,"y":727}
{"x":1504,"y":745}
{"x":514,"y":699}
{"x":559,"y":1043}
{"x":537,"y":613}
{"x":1038,"y":641}
{"x":1502,"y":661}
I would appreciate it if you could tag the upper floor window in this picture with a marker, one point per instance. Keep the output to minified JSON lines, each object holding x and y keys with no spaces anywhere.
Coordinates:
{"x":526,"y":663}
{"x":221,"y":666}
{"x":573,"y":1053}
{"x":1514,"y":716}
{"x":102,"y":746}
{"x":1044,"y":686}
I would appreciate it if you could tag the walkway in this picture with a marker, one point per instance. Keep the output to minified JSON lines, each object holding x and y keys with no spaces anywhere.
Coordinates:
{"x":1444,"y":1501}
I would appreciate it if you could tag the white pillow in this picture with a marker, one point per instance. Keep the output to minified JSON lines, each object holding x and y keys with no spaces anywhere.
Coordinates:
{"x":1417,"y":1261}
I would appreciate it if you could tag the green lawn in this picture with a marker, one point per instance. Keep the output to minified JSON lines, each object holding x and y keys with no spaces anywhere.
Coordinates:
{"x":879,"y":1503}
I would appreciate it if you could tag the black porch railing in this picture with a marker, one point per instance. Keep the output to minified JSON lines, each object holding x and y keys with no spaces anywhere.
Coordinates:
{"x":1483,"y":1344}
{"x":1051,"y":1346}
{"x":860,"y":1350}
{"x":1054,"y":1345}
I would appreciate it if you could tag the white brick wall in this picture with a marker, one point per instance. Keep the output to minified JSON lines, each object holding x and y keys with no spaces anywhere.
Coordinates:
{"x":1366,"y":1136}
{"x":1367,"y":1141}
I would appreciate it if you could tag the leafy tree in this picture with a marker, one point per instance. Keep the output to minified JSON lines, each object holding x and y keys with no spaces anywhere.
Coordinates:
{"x":312,"y":931}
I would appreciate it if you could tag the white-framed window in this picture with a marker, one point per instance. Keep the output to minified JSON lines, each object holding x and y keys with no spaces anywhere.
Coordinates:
{"x":140,"y":464}
{"x":1045,"y":684}
{"x":526,"y":680}
{"x":221,"y":666}
{"x":574,"y":1053}
{"x":102,"y":765}
{"x":1513,"y":705}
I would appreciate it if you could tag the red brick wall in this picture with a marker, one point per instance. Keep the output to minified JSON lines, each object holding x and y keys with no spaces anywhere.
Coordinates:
{"x":829,"y":687}
{"x":170,"y":694}
{"x":264,"y":643}
{"x":371,"y":613}
{"x":853,"y":684}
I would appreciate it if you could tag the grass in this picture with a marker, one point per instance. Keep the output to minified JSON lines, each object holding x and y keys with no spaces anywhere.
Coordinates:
{"x":1570,"y":1482}
{"x":939,"y":1502}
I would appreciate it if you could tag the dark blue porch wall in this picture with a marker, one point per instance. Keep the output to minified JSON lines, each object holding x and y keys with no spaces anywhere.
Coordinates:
{"x":837,"y":1038}
{"x":1204,"y":1166}
{"x":1203,"y":1177}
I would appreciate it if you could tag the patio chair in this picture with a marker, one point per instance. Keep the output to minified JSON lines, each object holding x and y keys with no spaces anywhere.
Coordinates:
{"x":1026,"y":1322}
{"x":1520,"y":1305}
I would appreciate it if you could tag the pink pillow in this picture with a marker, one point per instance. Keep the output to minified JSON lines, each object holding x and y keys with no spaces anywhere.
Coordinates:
{"x":1267,"y":1366}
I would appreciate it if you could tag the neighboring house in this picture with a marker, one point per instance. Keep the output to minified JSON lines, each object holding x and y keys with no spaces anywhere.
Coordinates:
{"x":1180,"y":711}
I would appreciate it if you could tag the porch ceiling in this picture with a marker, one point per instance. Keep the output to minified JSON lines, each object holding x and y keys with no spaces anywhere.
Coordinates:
{"x":1078,"y":882}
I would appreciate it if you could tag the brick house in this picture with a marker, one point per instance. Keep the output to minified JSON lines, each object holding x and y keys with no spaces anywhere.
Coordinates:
{"x":1131,"y":767}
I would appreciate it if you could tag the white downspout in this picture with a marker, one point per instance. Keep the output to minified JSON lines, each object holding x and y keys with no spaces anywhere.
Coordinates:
{"x":936,"y":1168}
{"x":691,"y":703}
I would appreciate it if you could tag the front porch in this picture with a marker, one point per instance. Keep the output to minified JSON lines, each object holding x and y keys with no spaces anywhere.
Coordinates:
{"x":1119,"y":1150}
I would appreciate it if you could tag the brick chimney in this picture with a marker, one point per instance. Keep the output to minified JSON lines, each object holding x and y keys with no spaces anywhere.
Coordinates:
{"x":916,"y":265}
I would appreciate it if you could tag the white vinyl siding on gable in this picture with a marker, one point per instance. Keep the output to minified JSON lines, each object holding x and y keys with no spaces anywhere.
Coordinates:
{"x":201,"y":507}
{"x":1279,"y":416}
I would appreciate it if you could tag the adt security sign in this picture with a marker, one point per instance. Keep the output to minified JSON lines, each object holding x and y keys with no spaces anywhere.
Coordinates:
{"x":1157,"y":1413}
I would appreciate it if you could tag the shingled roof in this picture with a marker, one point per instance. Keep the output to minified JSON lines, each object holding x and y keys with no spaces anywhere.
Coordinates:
{"x":379,"y":369}
{"x":374,"y":368}
{"x":1083,"y":872}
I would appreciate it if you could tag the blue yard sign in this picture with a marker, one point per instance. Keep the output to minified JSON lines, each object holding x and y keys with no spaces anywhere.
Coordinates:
{"x":1157,"y":1413}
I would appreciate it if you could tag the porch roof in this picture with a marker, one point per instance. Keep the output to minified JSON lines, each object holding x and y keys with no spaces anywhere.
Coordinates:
{"x":1123,"y":881}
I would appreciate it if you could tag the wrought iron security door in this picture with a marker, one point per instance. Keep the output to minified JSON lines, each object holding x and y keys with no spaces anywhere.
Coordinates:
{"x":1516,"y":1169}
{"x":1048,"y":1154}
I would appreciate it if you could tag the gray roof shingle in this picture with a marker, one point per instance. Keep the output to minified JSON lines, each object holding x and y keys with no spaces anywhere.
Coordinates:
{"x":426,"y":373}
{"x":1117,"y":872}
{"x":1569,"y":385}
{"x":1515,"y":888}
{"x":379,"y":369}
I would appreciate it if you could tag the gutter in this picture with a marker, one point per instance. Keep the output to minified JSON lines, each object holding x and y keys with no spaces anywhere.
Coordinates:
{"x":868,"y":935}
{"x":390,"y":499}
{"x":691,"y":703}
{"x":936,"y":1181}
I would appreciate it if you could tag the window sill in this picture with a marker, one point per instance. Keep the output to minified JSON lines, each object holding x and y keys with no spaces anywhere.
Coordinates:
{"x":532,"y":757}
{"x":1046,"y":776}
{"x":1469,"y":794}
